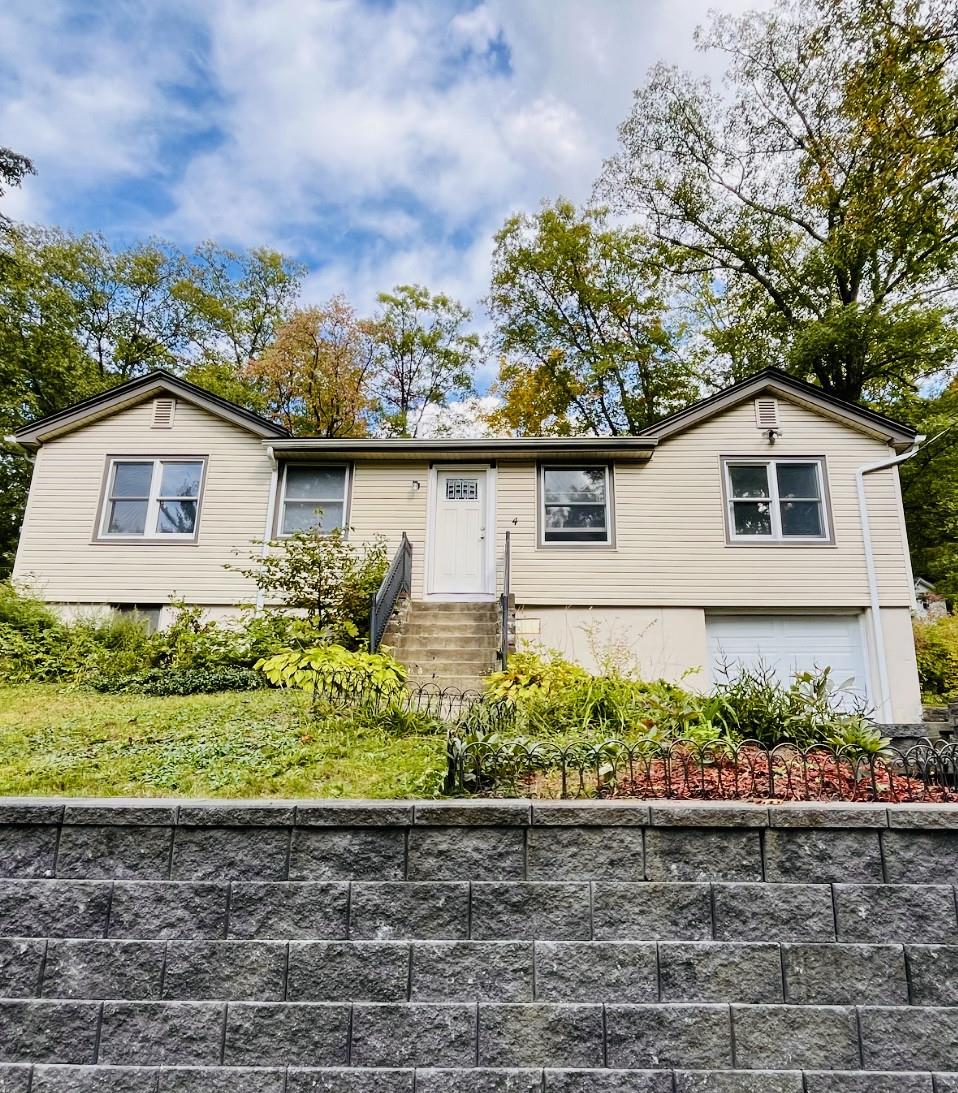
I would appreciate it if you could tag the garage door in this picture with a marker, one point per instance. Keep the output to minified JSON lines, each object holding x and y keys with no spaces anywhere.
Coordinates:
{"x":790,"y":644}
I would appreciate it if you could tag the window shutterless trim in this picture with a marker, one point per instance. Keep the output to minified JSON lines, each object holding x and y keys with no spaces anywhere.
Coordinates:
{"x":146,"y":539}
{"x":572,"y":544}
{"x":750,"y":541}
{"x":278,"y":532}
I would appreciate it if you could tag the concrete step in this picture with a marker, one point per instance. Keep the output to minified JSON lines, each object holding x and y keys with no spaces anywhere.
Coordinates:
{"x":458,"y":663}
{"x":448,"y":626}
{"x":474,"y":652}
{"x":477,"y":610}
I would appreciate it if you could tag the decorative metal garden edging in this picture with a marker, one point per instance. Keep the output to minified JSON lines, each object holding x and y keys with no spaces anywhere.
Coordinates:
{"x":690,"y":770}
{"x":348,"y":690}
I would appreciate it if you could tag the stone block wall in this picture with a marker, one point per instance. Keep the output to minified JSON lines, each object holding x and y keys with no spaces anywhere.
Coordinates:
{"x":480,"y":946}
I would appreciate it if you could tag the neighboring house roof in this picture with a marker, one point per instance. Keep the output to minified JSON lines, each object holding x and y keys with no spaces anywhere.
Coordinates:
{"x":774,"y":381}
{"x":136,"y":391}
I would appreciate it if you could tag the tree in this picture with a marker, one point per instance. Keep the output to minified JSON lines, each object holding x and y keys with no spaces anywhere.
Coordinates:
{"x":425,"y":356}
{"x":929,"y":486}
{"x":582,"y":326}
{"x":315,"y":376}
{"x":14,"y":168}
{"x":820,"y":193}
{"x":43,"y":366}
{"x":239,"y":300}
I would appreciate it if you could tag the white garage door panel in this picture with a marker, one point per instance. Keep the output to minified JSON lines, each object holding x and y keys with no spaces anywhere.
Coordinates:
{"x":790,"y":644}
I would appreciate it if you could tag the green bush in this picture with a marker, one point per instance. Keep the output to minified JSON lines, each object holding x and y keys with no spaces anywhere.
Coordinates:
{"x":180,"y":681}
{"x":35,"y":645}
{"x":325,"y":578}
{"x":812,"y":709}
{"x":556,"y":699}
{"x":333,"y":670}
{"x":936,"y":647}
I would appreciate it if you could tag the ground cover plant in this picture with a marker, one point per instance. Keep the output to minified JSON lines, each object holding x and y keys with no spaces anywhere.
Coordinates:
{"x":267,"y":743}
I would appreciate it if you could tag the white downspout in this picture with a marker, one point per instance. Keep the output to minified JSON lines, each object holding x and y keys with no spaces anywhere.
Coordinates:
{"x":270,"y":515}
{"x":878,"y":633}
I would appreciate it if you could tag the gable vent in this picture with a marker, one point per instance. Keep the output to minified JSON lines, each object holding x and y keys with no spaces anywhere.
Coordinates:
{"x":766,"y":413}
{"x":163,"y":410}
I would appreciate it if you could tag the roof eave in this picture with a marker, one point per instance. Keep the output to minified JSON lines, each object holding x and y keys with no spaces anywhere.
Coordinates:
{"x":899,"y":436}
{"x":128,"y":394}
{"x":633,"y":448}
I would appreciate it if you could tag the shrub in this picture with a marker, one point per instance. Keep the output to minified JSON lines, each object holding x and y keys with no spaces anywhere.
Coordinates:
{"x":36,"y":645}
{"x":326,"y":578}
{"x":192,"y":642}
{"x":333,"y":671}
{"x":936,"y":647}
{"x":528,"y":672}
{"x":812,"y":709}
{"x":553,"y":698}
{"x":180,"y":681}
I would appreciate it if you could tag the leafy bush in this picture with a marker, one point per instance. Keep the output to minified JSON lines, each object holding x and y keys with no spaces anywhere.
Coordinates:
{"x":191,"y":642}
{"x":554,"y":698}
{"x":812,"y":709}
{"x":936,"y":647}
{"x":180,"y":681}
{"x":324,"y":577}
{"x":36,"y":645}
{"x":528,"y":673}
{"x":333,"y":670}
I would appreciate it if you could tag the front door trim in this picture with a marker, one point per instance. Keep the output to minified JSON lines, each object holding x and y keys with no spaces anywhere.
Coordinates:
{"x":489,"y":592}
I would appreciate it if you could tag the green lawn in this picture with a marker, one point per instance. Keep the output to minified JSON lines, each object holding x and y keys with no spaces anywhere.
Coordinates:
{"x":56,"y":740}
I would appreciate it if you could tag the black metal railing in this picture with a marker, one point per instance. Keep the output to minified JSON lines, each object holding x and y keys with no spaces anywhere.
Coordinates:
{"x":398,"y":580}
{"x":504,"y":606}
{"x":490,"y":764}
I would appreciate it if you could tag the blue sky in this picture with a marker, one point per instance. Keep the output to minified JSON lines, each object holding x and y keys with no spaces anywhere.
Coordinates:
{"x":380,"y":141}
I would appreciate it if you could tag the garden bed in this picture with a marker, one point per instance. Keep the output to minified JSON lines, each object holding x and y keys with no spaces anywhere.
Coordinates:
{"x":686,"y":770}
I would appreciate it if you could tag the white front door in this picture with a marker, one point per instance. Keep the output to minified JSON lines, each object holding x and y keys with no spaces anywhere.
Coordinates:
{"x":458,"y":555}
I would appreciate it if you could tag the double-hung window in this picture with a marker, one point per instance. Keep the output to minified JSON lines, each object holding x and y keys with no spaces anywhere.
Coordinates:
{"x":575,"y":505}
{"x":776,"y":500}
{"x":152,"y":499}
{"x":313,"y":497}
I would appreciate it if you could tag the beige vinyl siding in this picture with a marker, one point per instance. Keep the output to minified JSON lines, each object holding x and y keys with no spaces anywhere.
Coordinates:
{"x":57,"y":554}
{"x":385,"y":503}
{"x":670,"y":546}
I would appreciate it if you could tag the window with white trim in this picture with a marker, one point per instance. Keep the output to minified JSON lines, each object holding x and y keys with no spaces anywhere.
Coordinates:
{"x":152,"y":499}
{"x":314,"y":497}
{"x":575,"y":505}
{"x":776,"y":500}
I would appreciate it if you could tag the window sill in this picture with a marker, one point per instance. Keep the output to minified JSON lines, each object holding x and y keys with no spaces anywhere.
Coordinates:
{"x":779,"y":544}
{"x":577,"y":546}
{"x":145,"y":542}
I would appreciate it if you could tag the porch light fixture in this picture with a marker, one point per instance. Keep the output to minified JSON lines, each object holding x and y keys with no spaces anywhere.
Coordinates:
{"x":416,"y":485}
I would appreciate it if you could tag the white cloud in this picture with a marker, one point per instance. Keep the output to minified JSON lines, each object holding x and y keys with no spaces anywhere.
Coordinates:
{"x":380,"y":141}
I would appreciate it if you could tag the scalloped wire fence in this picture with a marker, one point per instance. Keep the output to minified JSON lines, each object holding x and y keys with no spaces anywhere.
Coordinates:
{"x":686,"y":770}
{"x":342,"y":691}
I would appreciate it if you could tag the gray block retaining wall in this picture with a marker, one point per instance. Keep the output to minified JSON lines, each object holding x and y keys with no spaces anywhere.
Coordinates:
{"x":479,"y":946}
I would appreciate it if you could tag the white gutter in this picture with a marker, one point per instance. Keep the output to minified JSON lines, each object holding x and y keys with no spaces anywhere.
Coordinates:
{"x":270,"y":515}
{"x":878,"y":633}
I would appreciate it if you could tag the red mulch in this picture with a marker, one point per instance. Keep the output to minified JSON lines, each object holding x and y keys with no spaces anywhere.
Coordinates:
{"x":795,"y":777}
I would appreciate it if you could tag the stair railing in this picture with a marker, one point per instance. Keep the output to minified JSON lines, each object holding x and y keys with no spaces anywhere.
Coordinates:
{"x":398,"y":580}
{"x":504,"y":602}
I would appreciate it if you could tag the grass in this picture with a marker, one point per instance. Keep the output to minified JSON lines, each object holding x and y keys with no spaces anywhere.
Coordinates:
{"x":56,"y":740}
